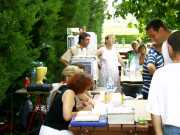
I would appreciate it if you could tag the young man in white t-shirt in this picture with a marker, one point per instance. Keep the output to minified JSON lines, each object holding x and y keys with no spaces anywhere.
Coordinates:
{"x":164,"y":93}
{"x":159,"y":34}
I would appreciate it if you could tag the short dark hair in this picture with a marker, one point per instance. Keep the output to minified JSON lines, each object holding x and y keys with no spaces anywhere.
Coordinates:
{"x":79,"y":82}
{"x":174,"y":41}
{"x":156,"y":24}
{"x":82,"y":36}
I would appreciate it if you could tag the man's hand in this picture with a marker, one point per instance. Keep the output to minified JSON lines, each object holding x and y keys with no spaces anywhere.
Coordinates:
{"x":151,"y":68}
{"x":157,"y":124}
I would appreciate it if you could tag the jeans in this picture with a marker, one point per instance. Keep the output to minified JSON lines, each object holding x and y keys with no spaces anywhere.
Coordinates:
{"x":171,"y":130}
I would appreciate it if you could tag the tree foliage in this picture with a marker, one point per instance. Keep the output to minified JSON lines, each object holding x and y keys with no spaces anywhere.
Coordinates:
{"x":144,"y":11}
{"x":126,"y":38}
{"x":35,"y":30}
{"x":15,"y":54}
{"x":97,"y":17}
{"x":25,"y":26}
{"x":82,"y":14}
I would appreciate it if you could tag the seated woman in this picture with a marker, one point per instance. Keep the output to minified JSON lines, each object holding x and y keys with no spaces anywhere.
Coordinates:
{"x":62,"y":105}
{"x":83,"y":100}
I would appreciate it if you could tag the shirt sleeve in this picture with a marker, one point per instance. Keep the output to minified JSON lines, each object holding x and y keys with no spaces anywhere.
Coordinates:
{"x":151,"y":58}
{"x":67,"y":55}
{"x":153,"y":105}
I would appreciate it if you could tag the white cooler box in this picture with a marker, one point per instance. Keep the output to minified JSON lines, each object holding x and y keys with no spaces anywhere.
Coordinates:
{"x":90,"y":64}
{"x":121,"y":115}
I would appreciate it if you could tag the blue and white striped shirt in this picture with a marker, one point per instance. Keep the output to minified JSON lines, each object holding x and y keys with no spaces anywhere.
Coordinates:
{"x":153,"y":57}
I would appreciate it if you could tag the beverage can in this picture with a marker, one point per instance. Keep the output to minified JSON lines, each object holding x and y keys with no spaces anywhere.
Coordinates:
{"x":26,"y":82}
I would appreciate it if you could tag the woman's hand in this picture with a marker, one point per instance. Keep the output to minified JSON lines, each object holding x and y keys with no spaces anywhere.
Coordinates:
{"x":87,"y":106}
{"x":89,"y":102}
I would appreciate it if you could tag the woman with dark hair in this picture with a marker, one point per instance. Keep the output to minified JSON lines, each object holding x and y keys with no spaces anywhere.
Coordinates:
{"x":62,"y":106}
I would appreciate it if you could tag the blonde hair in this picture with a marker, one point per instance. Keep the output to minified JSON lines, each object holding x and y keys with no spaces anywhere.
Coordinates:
{"x":107,"y":37}
{"x":71,"y":70}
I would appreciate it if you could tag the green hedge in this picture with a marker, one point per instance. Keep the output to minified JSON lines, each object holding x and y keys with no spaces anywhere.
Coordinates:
{"x":126,"y":38}
{"x":35,"y":30}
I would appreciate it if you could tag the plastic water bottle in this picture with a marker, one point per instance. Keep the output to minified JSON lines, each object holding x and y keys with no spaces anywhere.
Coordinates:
{"x":126,"y":69}
{"x":110,"y":84}
{"x":122,"y":97}
{"x":133,"y":67}
{"x":33,"y":76}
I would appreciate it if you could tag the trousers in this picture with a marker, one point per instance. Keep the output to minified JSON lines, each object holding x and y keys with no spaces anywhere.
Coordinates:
{"x":171,"y":130}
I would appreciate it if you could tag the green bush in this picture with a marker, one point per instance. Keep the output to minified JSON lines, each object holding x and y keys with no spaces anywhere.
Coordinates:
{"x":96,"y":18}
{"x":126,"y":38}
{"x":16,"y":20}
{"x":35,"y":30}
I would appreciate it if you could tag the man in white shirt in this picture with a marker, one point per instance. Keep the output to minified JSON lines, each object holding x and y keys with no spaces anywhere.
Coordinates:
{"x":159,"y":33}
{"x":164,"y":94}
{"x":81,"y":51}
{"x":78,"y":50}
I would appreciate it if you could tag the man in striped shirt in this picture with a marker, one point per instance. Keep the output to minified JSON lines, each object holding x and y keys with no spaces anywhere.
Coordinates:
{"x":153,"y":61}
{"x":158,"y":33}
